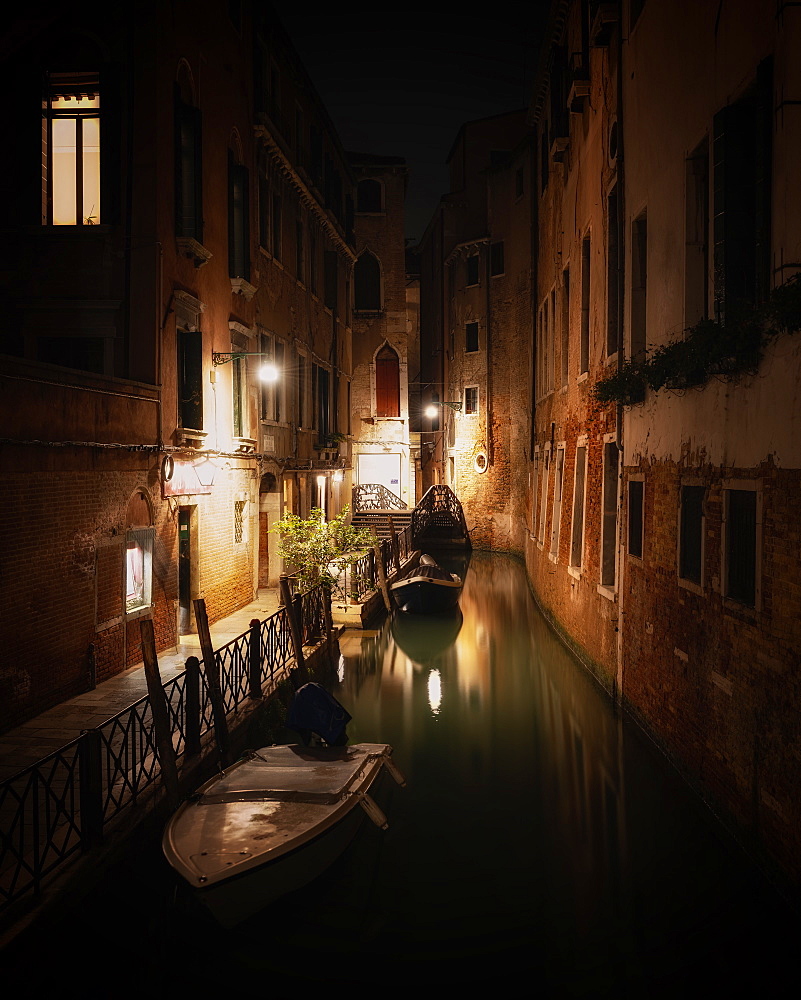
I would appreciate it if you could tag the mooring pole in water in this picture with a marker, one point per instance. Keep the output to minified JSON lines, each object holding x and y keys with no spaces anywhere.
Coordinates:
{"x":382,"y":576}
{"x":294,"y":625}
{"x":394,"y":537}
{"x":158,"y":706}
{"x":192,"y":705}
{"x":254,"y":659}
{"x":212,"y":671}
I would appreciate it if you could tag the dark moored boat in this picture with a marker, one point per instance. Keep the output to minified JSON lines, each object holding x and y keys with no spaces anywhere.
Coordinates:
{"x":427,"y":589}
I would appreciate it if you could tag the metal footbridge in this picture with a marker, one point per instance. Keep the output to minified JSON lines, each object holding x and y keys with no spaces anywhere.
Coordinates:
{"x":437,"y":521}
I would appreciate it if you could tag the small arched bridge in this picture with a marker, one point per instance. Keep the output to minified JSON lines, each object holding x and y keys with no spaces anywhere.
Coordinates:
{"x":437,"y":520}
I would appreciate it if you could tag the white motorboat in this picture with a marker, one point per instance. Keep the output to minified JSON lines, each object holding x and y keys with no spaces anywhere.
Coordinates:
{"x":274,"y":821}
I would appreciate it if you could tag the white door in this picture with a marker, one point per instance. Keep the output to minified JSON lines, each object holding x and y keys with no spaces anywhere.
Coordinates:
{"x":384,"y":468}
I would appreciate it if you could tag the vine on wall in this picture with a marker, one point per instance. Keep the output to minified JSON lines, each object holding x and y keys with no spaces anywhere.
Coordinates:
{"x":708,"y":349}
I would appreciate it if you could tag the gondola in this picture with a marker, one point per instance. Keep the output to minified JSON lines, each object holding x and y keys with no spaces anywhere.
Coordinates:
{"x":427,"y":589}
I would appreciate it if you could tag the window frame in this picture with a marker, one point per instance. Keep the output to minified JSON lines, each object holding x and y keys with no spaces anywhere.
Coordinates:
{"x":147,"y":537}
{"x":610,"y":520}
{"x":472,"y":261}
{"x":556,"y":501}
{"x":387,"y":379}
{"x":639,"y":480}
{"x":78,"y":83}
{"x":578,"y":517}
{"x":728,"y":487}
{"x":188,"y":171}
{"x":472,"y":390}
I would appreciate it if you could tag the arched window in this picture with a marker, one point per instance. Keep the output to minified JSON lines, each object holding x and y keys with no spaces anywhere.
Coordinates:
{"x":367,"y":282}
{"x":368,"y":196}
{"x":387,"y":383}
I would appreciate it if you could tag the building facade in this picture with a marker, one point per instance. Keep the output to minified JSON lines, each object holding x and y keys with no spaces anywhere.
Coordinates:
{"x":180,"y":214}
{"x":476,"y":316}
{"x":664,"y":534}
{"x":385,"y":333}
{"x":710,"y":486}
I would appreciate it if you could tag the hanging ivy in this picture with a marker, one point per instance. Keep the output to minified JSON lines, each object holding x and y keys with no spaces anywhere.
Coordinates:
{"x":708,"y":350}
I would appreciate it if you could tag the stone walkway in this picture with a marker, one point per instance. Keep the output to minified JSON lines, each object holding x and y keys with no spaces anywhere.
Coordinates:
{"x":59,"y":725}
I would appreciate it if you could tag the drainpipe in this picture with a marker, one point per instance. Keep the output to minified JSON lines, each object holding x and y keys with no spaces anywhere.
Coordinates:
{"x":490,"y":437}
{"x":620,"y":350}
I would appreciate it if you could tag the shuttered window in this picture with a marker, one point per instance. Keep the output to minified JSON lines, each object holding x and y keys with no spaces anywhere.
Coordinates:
{"x":238,"y":221}
{"x":387,"y":383}
{"x":190,"y":379}
{"x":188,"y":174}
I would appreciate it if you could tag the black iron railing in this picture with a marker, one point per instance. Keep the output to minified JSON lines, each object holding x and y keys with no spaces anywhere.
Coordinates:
{"x":374,"y":496}
{"x":439,"y":511}
{"x":58,"y":806}
{"x":361,"y":577}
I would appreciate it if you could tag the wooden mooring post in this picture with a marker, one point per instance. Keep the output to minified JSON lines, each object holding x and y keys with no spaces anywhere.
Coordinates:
{"x":161,"y":715}
{"x":254,"y":659}
{"x":292,"y":617}
{"x":382,"y":576}
{"x":192,"y":706}
{"x":394,"y":539}
{"x":212,"y":672}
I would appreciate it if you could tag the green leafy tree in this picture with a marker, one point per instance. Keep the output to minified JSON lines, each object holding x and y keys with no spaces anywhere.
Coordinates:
{"x":319,"y":550}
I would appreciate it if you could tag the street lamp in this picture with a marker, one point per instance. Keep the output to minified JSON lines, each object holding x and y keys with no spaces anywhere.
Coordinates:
{"x":267,"y":373}
{"x":431,"y":409}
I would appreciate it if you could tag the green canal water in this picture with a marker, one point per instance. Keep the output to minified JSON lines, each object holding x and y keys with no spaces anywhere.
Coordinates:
{"x":541,"y":845}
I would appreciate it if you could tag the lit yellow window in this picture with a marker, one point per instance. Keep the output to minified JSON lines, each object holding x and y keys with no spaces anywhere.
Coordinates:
{"x":71,"y":152}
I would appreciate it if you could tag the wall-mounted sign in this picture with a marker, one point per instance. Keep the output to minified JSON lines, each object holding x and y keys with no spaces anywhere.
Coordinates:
{"x":185,"y":479}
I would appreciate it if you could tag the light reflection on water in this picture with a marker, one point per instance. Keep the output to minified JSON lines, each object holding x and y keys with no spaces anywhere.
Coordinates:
{"x":539,"y":835}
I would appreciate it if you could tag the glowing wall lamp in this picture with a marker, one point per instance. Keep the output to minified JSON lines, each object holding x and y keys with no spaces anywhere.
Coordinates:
{"x":267,"y":372}
{"x":431,"y":409}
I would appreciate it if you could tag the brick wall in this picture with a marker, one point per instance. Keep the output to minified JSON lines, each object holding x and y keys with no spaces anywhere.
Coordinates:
{"x":718,"y":681}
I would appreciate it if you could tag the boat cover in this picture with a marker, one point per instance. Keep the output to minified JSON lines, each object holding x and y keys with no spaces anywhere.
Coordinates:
{"x":315,"y":710}
{"x":290,"y":774}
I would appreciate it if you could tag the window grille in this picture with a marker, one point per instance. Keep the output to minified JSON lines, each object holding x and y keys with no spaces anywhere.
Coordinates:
{"x":239,"y":521}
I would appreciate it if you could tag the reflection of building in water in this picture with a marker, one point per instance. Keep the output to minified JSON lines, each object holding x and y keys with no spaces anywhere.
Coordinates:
{"x":582,"y":755}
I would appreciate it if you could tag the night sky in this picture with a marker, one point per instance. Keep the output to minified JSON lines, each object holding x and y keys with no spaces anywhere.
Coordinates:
{"x":405,"y":91}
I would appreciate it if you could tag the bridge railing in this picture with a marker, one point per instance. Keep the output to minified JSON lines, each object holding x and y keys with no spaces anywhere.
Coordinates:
{"x":361,"y":577}
{"x":374,"y":496}
{"x":439,"y":507}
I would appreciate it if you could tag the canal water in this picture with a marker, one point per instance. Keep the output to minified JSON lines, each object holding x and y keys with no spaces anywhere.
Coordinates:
{"x":541,"y":845}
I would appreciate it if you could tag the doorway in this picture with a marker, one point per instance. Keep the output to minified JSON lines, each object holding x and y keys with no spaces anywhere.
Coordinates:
{"x":187,"y":568}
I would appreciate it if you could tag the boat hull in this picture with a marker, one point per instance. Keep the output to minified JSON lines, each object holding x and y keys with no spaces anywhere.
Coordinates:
{"x":422,"y":595}
{"x":240,"y":897}
{"x":272,"y":823}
